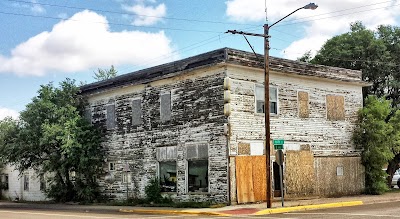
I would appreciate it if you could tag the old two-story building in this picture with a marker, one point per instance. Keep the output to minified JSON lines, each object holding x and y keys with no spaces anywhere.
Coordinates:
{"x":197,"y":125}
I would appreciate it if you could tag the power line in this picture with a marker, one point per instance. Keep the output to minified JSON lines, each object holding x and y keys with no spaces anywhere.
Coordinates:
{"x":333,"y":12}
{"x":340,"y":15}
{"x":188,"y":48}
{"x":126,"y":13}
{"x":118,"y":24}
{"x":351,"y":60}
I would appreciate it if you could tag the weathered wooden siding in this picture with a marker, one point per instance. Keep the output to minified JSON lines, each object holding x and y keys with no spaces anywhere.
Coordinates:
{"x":299,"y":174}
{"x":196,"y":118}
{"x":325,"y":137}
{"x":330,"y":184}
{"x":322,"y":137}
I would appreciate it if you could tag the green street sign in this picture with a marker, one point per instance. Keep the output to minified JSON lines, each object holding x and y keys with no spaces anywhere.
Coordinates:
{"x":278,"y":147}
{"x":278,"y":141}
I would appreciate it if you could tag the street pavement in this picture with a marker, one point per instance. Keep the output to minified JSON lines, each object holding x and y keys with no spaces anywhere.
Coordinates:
{"x":380,"y":206}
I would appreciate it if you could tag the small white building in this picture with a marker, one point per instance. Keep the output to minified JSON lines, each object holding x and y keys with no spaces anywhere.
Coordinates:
{"x":26,"y":186}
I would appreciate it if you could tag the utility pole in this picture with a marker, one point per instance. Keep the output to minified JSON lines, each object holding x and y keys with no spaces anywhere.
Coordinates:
{"x":266,"y":36}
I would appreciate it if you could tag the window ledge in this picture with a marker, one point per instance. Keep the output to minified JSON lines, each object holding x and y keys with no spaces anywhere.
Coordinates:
{"x":198,"y":193}
{"x":271,"y":114}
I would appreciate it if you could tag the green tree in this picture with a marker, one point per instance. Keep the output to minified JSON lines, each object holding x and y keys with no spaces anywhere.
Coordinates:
{"x":376,"y":54}
{"x":306,"y":57}
{"x":104,"y":74}
{"x":374,"y":135}
{"x":53,"y":138}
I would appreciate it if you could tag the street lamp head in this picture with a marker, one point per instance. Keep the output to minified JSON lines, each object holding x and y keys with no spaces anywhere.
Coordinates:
{"x":311,"y":6}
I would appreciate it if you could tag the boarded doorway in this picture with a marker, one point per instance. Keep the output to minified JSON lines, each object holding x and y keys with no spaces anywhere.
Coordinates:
{"x":251,"y":179}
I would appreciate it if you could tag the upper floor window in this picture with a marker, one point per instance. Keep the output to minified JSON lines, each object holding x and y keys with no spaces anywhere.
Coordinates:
{"x":165,"y":106}
{"x":110,"y":115}
{"x":273,"y":99}
{"x":137,"y":112}
{"x":302,"y":98}
{"x":335,"y":107}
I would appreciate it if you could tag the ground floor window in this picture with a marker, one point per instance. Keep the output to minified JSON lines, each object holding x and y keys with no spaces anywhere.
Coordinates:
{"x":167,"y":176}
{"x":42,"y":183}
{"x":197,"y":177}
{"x":4,"y":181}
{"x":26,"y":182}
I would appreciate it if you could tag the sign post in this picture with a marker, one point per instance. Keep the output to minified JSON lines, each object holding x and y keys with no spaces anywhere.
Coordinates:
{"x":278,"y":145}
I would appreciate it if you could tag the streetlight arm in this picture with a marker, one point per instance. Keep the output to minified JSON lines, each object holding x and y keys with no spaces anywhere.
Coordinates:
{"x":311,"y":6}
{"x":285,"y":17}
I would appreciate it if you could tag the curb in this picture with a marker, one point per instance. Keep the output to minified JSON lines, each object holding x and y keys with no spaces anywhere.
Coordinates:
{"x":148,"y":211}
{"x":308,"y":207}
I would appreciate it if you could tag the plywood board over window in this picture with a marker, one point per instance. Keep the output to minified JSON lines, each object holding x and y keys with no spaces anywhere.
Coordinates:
{"x":302,"y":98}
{"x":335,"y":107}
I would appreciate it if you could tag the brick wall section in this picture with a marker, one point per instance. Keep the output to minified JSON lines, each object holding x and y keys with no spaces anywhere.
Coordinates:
{"x":196,"y":118}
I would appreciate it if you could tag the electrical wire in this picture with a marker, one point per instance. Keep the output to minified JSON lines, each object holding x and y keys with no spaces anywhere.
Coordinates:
{"x":333,"y":12}
{"x":112,"y":23}
{"x":126,"y":13}
{"x":340,"y":15}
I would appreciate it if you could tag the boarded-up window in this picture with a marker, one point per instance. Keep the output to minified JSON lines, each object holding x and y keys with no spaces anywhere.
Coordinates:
{"x":137,"y":112}
{"x":273,"y":99}
{"x":166,"y":153}
{"x":88,"y":115}
{"x":335,"y":107}
{"x":302,"y":98}
{"x":110,"y":116}
{"x":165,"y":107}
{"x":197,"y":151}
{"x":244,"y":148}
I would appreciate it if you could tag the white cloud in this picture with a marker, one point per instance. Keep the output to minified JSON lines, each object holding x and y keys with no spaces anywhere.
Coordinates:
{"x":331,"y":18}
{"x":151,"y":14}
{"x":5,"y":112}
{"x":33,"y":7}
{"x":81,"y":42}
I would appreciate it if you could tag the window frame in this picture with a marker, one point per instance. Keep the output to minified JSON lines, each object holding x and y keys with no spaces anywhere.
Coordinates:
{"x":111,"y":124}
{"x":42,"y":183}
{"x":159,"y":173}
{"x":326,"y":107}
{"x":187,"y":176}
{"x":162,"y":118}
{"x":308,"y":103}
{"x":126,"y":177}
{"x":26,"y":182}
{"x":141,"y":112}
{"x":4,"y":180}
{"x":113,"y":166}
{"x":256,"y":99}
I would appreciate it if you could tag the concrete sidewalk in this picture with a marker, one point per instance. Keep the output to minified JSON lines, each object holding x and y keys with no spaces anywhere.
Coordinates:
{"x":261,"y":208}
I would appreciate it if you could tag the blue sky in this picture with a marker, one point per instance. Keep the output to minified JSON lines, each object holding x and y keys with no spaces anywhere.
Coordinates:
{"x":46,"y":41}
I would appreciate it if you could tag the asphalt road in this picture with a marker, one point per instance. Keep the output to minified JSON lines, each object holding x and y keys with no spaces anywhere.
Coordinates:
{"x":372,"y":211}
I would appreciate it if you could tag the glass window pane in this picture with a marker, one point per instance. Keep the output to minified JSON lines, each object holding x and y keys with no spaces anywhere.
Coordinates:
{"x":272,"y":94}
{"x":260,"y":106}
{"x":273,"y":108}
{"x":198,"y":176}
{"x":167,"y":176}
{"x":259,"y":92}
